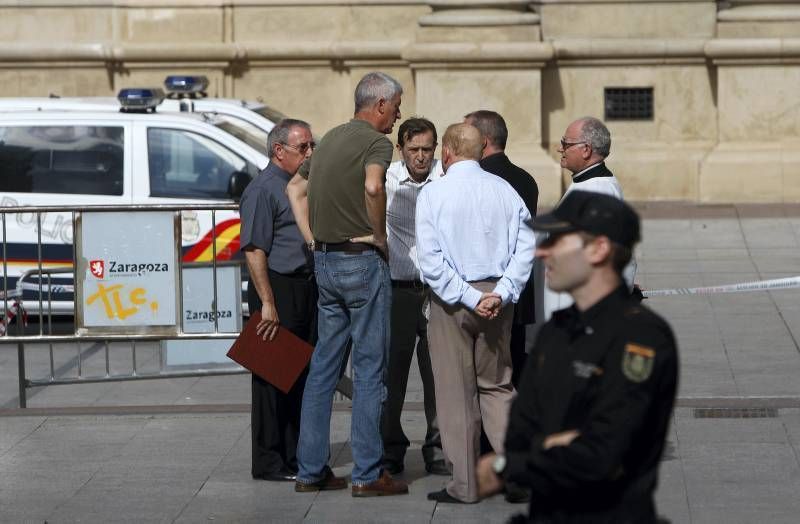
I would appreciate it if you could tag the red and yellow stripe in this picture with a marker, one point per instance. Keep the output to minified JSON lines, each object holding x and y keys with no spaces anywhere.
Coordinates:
{"x":227,"y":243}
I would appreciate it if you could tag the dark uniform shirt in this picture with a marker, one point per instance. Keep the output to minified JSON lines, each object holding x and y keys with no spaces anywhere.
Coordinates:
{"x":609,"y":372}
{"x":268,"y":223}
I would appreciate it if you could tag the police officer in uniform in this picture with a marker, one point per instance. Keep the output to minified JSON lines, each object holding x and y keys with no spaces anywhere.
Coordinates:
{"x":587,"y":429}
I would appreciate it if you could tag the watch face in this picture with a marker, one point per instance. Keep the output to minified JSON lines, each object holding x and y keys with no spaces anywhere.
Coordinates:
{"x":499,"y":464}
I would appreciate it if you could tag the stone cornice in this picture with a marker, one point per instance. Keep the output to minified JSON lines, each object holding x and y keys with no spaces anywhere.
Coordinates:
{"x":537,"y":52}
{"x":753,"y":49}
{"x":225,"y":52}
{"x":479,"y":13}
{"x":177,"y":4}
{"x":478,"y":18}
{"x":570,"y":2}
{"x":774,"y":12}
{"x":600,"y":48}
{"x":721,"y":50}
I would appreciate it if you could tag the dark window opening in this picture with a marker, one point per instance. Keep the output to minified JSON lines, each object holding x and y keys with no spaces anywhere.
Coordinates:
{"x":628,"y":103}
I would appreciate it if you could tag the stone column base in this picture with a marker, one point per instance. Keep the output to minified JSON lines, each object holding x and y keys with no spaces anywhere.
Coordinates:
{"x":751,"y":172}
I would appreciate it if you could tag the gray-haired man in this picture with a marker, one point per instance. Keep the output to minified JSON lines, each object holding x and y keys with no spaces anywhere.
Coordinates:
{"x":340,"y":206}
{"x":281,"y":287}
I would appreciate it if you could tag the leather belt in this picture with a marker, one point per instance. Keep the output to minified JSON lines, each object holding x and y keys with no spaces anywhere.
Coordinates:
{"x":409,"y":284}
{"x":346,"y":247}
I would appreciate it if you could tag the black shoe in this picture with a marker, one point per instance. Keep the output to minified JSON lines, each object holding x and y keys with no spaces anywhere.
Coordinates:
{"x":516,"y":494}
{"x":282,"y":475}
{"x":393,"y":468}
{"x":438,"y":467}
{"x":444,"y":496}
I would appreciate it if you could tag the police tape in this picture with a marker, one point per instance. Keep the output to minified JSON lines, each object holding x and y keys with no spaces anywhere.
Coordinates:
{"x":758,"y":285}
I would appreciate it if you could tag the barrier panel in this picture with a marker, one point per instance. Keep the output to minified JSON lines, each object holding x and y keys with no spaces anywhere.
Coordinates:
{"x":133,"y":276}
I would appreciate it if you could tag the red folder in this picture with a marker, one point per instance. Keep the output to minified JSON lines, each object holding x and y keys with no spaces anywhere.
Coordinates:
{"x":279,"y":361}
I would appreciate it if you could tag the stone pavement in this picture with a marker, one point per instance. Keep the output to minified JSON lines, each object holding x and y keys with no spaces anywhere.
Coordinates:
{"x":178,"y":450}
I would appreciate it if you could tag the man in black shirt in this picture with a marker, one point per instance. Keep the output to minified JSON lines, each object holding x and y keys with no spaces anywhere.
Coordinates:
{"x":494,"y":160}
{"x":587,"y":429}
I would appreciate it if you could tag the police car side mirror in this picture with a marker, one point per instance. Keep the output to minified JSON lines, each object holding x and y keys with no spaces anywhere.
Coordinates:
{"x":237,"y":183}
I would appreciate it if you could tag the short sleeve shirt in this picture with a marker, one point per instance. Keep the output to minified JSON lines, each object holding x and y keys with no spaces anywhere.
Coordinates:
{"x":336,"y":174}
{"x":267,"y":223}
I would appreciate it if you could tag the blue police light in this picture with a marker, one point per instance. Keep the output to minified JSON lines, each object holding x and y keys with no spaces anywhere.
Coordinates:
{"x":186,"y":86}
{"x":140,"y":99}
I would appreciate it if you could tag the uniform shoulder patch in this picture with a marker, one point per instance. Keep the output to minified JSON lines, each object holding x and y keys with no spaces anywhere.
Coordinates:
{"x":637,"y":362}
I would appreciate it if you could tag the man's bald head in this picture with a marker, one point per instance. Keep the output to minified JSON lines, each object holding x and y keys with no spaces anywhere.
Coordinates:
{"x":463,"y":141}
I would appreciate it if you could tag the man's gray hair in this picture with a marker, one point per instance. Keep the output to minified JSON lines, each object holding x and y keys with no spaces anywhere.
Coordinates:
{"x":597,"y":135}
{"x":374,"y":86}
{"x":280,"y":133}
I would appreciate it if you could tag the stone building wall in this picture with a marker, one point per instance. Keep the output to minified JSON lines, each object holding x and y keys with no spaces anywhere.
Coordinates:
{"x":725,"y":75}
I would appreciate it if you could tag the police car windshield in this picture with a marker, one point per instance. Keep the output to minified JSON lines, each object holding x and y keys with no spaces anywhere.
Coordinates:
{"x":244,"y":131}
{"x":269,"y":113}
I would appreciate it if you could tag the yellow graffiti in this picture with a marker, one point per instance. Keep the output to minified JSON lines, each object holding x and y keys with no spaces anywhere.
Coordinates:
{"x":112,"y":301}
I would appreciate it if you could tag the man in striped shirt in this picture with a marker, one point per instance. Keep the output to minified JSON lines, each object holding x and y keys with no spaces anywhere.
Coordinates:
{"x":416,"y":142}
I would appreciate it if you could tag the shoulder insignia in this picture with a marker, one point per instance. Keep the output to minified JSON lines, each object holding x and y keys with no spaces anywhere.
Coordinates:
{"x":637,"y":362}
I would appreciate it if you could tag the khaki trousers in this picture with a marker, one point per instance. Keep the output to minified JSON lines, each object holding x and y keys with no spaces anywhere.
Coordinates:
{"x":471,"y":363}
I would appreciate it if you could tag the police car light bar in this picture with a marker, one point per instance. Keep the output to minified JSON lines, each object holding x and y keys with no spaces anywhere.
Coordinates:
{"x":186,"y":86}
{"x":140,"y":99}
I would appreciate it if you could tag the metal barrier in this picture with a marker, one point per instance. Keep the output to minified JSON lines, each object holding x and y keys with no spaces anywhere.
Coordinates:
{"x":40,"y":280}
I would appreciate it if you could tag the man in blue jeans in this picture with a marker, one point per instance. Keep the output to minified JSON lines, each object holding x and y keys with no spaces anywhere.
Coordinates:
{"x":339,"y":201}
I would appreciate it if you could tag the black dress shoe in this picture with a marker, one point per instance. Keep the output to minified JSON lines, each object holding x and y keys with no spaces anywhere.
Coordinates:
{"x":438,"y":467}
{"x":516,"y":494}
{"x":282,"y":475}
{"x":393,"y":468}
{"x":444,"y":496}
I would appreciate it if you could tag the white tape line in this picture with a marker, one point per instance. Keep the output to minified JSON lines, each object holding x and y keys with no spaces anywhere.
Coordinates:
{"x":759,"y":285}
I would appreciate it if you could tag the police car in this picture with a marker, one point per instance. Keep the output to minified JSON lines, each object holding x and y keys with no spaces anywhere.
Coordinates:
{"x":135,"y":156}
{"x":249,"y":121}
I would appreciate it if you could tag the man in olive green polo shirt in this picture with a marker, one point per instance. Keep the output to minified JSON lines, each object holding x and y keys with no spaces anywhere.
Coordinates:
{"x":339,"y":203}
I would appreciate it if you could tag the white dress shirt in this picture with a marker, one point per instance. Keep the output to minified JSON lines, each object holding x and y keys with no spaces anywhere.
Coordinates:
{"x":607,"y":185}
{"x":471,"y":226}
{"x":401,"y":203}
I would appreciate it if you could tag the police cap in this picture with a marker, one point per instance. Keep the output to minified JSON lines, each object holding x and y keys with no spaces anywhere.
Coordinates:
{"x":594,"y":213}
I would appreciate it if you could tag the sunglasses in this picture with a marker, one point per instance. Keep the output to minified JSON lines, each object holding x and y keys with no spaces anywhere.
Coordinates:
{"x":302,"y":148}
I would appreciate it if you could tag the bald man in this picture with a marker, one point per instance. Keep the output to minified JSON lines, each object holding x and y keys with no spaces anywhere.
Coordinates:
{"x":475,"y":249}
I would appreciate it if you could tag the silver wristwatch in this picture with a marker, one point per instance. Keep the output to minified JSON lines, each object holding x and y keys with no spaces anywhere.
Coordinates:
{"x":499,"y":465}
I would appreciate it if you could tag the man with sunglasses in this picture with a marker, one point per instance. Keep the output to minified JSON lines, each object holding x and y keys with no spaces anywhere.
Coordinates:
{"x":587,"y":429}
{"x":282,"y":287}
{"x":584,"y":147}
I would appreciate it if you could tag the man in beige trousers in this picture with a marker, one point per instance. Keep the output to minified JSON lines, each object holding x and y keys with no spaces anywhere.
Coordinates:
{"x":475,"y":249}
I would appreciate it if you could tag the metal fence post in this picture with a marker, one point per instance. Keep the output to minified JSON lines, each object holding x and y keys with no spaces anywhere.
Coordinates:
{"x":23,"y":382}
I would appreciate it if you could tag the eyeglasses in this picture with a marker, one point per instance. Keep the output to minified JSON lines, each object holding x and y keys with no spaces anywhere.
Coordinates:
{"x":566,"y":145}
{"x":302,"y":148}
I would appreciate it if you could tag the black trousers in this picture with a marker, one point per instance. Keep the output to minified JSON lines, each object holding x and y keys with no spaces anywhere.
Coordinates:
{"x":518,"y":354}
{"x":409,"y":333}
{"x":275,"y":416}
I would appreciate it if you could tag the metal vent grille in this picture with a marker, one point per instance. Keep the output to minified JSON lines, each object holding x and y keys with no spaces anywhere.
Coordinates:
{"x":735,"y":413}
{"x":629,"y":103}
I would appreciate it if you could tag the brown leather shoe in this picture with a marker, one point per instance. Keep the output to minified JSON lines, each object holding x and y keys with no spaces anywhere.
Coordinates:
{"x":383,"y":487}
{"x":327,"y":483}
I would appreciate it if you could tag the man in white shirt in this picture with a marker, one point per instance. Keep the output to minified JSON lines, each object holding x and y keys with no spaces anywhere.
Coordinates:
{"x":475,"y":249}
{"x":584,"y":147}
{"x":405,"y":178}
